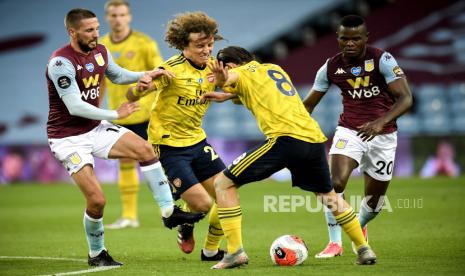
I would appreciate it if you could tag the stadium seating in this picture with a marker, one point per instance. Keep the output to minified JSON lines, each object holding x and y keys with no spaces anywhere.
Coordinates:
{"x":438,"y":110}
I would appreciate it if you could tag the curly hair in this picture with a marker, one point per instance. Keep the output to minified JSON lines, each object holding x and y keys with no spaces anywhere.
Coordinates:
{"x":178,"y":30}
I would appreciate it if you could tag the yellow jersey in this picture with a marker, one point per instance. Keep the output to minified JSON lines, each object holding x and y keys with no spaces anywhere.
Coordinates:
{"x":138,"y":52}
{"x":266,"y":90}
{"x":176,"y":118}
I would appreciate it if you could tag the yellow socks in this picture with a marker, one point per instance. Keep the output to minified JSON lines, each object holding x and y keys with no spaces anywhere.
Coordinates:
{"x":215,"y":232}
{"x":351,"y":225}
{"x":231,"y":219}
{"x":128,"y":183}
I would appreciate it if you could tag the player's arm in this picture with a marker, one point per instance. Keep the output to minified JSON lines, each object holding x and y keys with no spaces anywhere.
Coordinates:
{"x":320,"y":86}
{"x":146,"y":84}
{"x":62,"y":73}
{"x":223,"y":77}
{"x":397,"y":86}
{"x":119,"y":75}
{"x":218,"y":97}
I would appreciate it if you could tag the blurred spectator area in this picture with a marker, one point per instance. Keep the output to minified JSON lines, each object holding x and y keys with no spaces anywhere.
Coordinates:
{"x":438,"y":110}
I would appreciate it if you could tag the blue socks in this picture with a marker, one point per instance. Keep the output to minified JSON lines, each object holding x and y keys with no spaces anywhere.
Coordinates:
{"x":94,"y":234}
{"x":160,"y":187}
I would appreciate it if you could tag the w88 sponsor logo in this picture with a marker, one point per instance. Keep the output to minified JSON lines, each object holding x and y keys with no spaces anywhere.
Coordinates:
{"x":92,"y":93}
{"x":364,"y":92}
{"x":362,"y":88}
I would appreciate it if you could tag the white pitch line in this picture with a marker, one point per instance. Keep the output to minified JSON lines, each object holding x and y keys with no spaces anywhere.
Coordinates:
{"x":91,"y":270}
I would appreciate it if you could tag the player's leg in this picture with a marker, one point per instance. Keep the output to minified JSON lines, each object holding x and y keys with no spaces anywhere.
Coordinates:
{"x":191,"y":171}
{"x":308,"y":161}
{"x":377,"y":166}
{"x":75,"y":154}
{"x":198,"y":200}
{"x":254,"y":165}
{"x":207,"y":166}
{"x":371,"y":205}
{"x":341,"y":169}
{"x":117,"y":142}
{"x":128,"y":184}
{"x":210,"y":250}
{"x":349,"y":222}
{"x":93,"y":216}
{"x":345,"y":154}
{"x":230,"y":216}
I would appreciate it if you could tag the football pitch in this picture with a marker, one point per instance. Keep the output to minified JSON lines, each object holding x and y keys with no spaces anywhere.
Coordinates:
{"x":420,"y":232}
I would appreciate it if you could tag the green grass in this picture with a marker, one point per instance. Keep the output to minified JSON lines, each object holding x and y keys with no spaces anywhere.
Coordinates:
{"x":46,"y":220}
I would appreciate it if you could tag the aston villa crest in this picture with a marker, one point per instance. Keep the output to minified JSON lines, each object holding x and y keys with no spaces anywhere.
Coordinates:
{"x":99,"y":59}
{"x":369,"y":65}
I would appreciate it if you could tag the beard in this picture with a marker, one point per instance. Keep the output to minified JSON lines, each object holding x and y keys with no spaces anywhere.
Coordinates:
{"x":85,"y":47}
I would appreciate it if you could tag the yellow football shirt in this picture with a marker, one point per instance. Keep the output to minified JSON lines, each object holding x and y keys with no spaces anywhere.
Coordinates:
{"x":138,"y":52}
{"x":176,"y":118}
{"x":266,"y":90}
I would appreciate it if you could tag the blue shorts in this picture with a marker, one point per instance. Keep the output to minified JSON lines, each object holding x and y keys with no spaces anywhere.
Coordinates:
{"x":139,"y":129}
{"x":187,"y":166}
{"x":306,"y":162}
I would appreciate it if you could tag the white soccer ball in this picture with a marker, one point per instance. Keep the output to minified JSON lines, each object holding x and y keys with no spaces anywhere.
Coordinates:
{"x":288,"y":250}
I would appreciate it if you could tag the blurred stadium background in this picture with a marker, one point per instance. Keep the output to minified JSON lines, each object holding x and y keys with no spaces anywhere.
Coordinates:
{"x":426,"y":37}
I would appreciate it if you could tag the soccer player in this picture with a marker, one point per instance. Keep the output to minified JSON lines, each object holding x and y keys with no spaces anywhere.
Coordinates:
{"x":175,"y":131}
{"x":77,"y":130}
{"x":294,"y":141}
{"x":375,"y":92}
{"x":134,"y":51}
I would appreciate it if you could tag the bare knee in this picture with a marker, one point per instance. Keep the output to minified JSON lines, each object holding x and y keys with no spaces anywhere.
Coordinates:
{"x":222,"y":184}
{"x":95,"y":205}
{"x":339,"y":184}
{"x":144,"y":152}
{"x":201,"y":205}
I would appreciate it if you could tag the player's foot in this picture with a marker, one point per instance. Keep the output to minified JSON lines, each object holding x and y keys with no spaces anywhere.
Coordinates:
{"x":179,"y":217}
{"x":123,"y":223}
{"x":103,"y":259}
{"x":186,"y":240}
{"x":333,"y":249}
{"x":366,"y":256}
{"x":217,"y":257}
{"x":365,"y":235}
{"x":237,"y":259}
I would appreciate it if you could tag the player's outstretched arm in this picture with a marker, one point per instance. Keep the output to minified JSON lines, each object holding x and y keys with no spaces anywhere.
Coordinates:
{"x":218,"y":97}
{"x":146,"y":85}
{"x":77,"y":107}
{"x":63,"y":75}
{"x":320,"y":86}
{"x":312,"y":99}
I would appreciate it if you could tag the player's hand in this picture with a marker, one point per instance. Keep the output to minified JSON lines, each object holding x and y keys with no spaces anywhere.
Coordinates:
{"x":144,"y":83}
{"x":369,"y":130}
{"x":218,"y":97}
{"x":220,"y":72}
{"x":127,"y":109}
{"x":160,"y":72}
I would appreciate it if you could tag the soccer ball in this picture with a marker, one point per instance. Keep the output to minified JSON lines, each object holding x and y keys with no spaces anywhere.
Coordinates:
{"x":288,"y":250}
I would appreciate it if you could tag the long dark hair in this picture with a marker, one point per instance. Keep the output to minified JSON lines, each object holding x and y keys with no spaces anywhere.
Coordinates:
{"x":234,"y":54}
